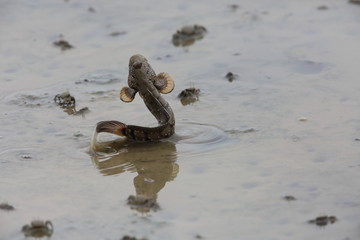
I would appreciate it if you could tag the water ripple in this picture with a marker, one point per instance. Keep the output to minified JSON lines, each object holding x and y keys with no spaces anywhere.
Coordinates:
{"x":192,"y":137}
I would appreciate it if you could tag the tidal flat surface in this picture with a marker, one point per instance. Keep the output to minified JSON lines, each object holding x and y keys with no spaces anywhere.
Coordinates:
{"x":263,"y":156}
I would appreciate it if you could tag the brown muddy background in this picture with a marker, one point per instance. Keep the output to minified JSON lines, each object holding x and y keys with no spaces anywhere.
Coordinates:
{"x":217,"y":178}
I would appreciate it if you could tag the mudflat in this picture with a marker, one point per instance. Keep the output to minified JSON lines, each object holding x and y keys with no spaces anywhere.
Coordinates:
{"x":270,"y":151}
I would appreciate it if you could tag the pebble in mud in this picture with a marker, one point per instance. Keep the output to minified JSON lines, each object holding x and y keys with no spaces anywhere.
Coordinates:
{"x":142,"y":203}
{"x":323,"y":220}
{"x":26,"y":156}
{"x":189,"y":95}
{"x":6,"y":207}
{"x":231,"y":76}
{"x":38,"y":229}
{"x":188,"y":34}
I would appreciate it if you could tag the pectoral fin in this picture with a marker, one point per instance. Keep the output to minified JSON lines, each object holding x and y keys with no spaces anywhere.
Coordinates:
{"x":127,"y":94}
{"x":164,"y":83}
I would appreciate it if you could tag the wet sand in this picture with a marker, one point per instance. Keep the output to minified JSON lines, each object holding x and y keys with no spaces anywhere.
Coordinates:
{"x":287,"y":125}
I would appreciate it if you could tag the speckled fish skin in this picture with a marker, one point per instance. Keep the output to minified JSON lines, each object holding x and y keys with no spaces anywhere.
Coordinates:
{"x":142,"y":79}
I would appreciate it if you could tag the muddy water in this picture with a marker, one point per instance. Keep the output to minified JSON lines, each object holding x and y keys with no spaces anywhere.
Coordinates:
{"x":286,"y":126}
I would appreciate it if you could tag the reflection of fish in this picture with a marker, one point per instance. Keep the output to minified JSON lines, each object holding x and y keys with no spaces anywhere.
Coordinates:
{"x":154,"y":163}
{"x":143,"y":79}
{"x":132,"y":155}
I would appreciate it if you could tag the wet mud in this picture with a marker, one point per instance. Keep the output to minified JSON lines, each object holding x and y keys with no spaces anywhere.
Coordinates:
{"x":290,"y":126}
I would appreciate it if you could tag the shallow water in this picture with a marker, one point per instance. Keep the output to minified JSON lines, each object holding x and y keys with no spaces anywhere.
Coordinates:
{"x":237,"y":151}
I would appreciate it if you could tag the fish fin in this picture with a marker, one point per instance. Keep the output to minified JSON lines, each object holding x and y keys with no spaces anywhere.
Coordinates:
{"x":113,"y":127}
{"x":127,"y":94}
{"x":164,"y":83}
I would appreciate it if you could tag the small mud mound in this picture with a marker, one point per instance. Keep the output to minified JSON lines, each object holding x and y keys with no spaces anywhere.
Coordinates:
{"x":188,"y":34}
{"x":189,"y":95}
{"x":33,"y":99}
{"x":67,"y":102}
{"x":6,"y":207}
{"x":323,"y":220}
{"x":231,"y":76}
{"x":38,"y":229}
{"x":142,"y":203}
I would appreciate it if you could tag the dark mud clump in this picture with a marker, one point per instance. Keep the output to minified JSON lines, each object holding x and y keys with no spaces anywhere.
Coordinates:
{"x":115,"y":34}
{"x":91,"y":9}
{"x":81,"y":112}
{"x":240,"y":130}
{"x":289,"y":198}
{"x":99,"y":78}
{"x":126,"y":237}
{"x":142,"y":203}
{"x":187,"y":35}
{"x":6,"y":207}
{"x":28,"y":100}
{"x":233,"y":7}
{"x":354,"y":1}
{"x":189,"y":95}
{"x":38,"y":229}
{"x":323,"y":220}
{"x":64,"y":100}
{"x":166,"y":56}
{"x":67,"y":102}
{"x":63,"y":44}
{"x":323,"y":7}
{"x":231,"y":76}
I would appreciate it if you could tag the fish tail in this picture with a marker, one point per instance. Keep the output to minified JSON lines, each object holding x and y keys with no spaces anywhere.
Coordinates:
{"x":113,"y":127}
